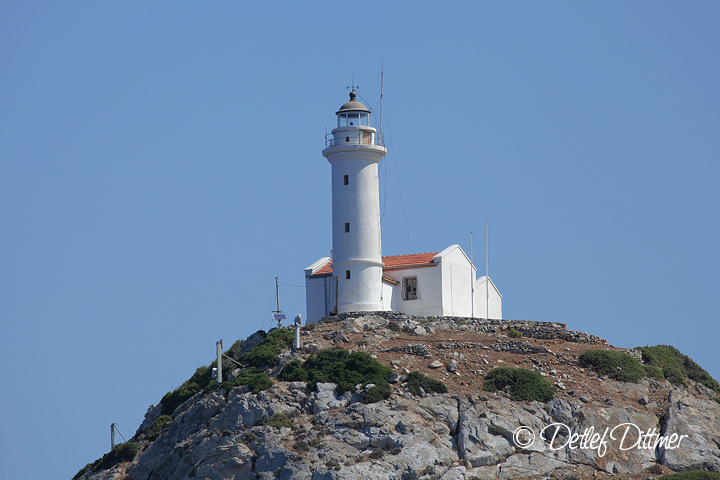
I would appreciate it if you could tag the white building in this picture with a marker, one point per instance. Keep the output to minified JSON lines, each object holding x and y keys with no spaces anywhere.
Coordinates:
{"x":359,"y":278}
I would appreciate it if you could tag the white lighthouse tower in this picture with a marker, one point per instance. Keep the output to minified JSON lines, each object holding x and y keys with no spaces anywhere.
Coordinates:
{"x":354,"y":150}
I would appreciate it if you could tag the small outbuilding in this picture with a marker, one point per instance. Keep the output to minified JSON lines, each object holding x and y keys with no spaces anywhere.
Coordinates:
{"x":428,"y":284}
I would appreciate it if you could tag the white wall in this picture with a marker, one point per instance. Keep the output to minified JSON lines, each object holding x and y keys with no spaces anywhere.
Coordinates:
{"x":495,"y":304}
{"x":428,"y":289}
{"x":457,"y":281}
{"x":443,"y":289}
{"x":357,"y":204}
{"x":320,"y":292}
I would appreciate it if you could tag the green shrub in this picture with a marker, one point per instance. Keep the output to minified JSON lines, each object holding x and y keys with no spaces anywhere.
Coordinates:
{"x":157,"y":427}
{"x":655,"y":372}
{"x":122,"y":452}
{"x":211,"y":387}
{"x":415,"y":380}
{"x":171,"y":400}
{"x":376,"y":454}
{"x":80,"y":472}
{"x":692,"y":475}
{"x":394,"y":326}
{"x":234,"y":349}
{"x":345,"y":369}
{"x":376,"y":393}
{"x":676,"y":367}
{"x":717,"y":399}
{"x":263,"y":355}
{"x":266,"y":352}
{"x":256,"y":380}
{"x":521,"y":384}
{"x":293,"y":372}
{"x":494,"y":430}
{"x":515,"y":333}
{"x":616,"y":365}
{"x":340,"y":367}
{"x":279,"y":420}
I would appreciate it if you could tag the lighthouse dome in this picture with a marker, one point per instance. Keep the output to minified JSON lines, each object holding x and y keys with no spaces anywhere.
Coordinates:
{"x":353,"y":105}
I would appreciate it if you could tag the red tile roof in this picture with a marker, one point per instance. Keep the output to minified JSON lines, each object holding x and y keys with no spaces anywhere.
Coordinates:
{"x":389,"y":280}
{"x":327,"y":268}
{"x":409,"y":260}
{"x":393,"y":261}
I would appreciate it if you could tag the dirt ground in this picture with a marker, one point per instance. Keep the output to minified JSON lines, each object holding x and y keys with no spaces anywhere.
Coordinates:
{"x":559,"y":365}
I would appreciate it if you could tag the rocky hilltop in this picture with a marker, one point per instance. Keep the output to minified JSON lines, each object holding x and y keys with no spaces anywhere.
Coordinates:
{"x":594,"y":425}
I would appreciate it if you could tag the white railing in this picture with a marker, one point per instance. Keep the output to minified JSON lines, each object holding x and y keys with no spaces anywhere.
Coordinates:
{"x":363,"y":138}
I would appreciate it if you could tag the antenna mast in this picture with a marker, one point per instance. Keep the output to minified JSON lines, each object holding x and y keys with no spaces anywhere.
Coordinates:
{"x":487,"y":276}
{"x":278,"y":315}
{"x":472,"y":279}
{"x":382,"y":68}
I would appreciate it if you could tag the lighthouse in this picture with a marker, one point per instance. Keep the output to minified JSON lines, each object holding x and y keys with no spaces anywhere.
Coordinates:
{"x":354,"y":150}
{"x":358,"y":278}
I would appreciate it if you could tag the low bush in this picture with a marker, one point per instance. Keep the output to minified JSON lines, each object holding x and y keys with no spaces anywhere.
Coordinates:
{"x":676,"y":367}
{"x":266,"y":352}
{"x":157,"y":427}
{"x":341,"y":367}
{"x":692,"y":475}
{"x":248,"y":438}
{"x":122,"y":452}
{"x":515,"y":333}
{"x":655,"y":372}
{"x":82,"y":471}
{"x":200,"y":379}
{"x":616,"y":365}
{"x":376,"y":393}
{"x":416,"y":380}
{"x":520,"y":383}
{"x":256,"y":380}
{"x":263,"y":355}
{"x":293,"y":372}
{"x":494,"y":430}
{"x":279,"y":420}
{"x":376,"y":454}
{"x":394,"y":326}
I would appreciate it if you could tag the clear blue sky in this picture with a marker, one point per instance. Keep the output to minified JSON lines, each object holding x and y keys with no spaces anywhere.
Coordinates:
{"x":160,"y":164}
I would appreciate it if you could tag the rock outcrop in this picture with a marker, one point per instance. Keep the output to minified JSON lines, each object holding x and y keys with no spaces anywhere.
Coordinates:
{"x":286,"y":432}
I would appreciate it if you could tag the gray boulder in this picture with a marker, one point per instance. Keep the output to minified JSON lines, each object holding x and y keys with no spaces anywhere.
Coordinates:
{"x":153,"y":412}
{"x":477,"y":445}
{"x":699,"y":420}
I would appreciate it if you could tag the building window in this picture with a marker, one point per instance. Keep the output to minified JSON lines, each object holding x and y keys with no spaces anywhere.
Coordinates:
{"x":347,"y":274}
{"x":409,"y":288}
{"x":347,"y":228}
{"x":345,"y":180}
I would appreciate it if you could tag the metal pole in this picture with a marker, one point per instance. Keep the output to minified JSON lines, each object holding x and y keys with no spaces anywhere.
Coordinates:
{"x":298,"y":322}
{"x":277,"y":294}
{"x":112,"y":436}
{"x":487,"y":275}
{"x":219,"y":347}
{"x":382,"y":68}
{"x":472,"y":279}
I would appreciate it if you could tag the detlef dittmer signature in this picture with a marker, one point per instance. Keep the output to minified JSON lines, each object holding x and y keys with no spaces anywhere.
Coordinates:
{"x":626,"y":436}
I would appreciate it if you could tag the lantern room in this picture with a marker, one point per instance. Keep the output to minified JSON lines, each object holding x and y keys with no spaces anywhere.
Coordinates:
{"x":353,"y":113}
